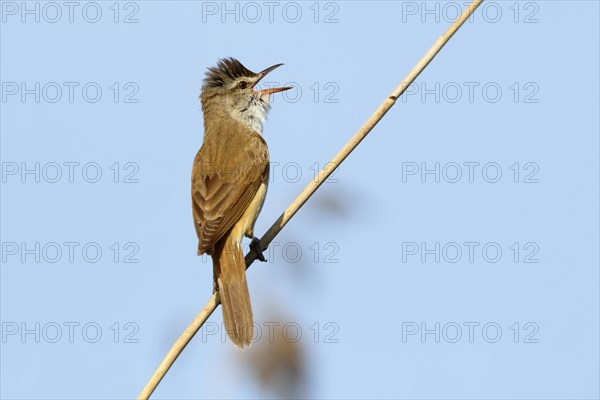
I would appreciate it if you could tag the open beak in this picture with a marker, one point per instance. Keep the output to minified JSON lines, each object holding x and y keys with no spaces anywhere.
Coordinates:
{"x":264,"y":73}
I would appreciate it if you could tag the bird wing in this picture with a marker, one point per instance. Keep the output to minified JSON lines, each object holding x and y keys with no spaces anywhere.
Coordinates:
{"x":225,"y":178}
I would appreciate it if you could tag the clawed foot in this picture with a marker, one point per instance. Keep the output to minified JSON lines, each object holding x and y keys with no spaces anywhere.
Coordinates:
{"x":255,"y":245}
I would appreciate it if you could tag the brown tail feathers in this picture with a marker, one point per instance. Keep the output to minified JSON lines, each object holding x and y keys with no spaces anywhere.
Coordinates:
{"x":230,"y":275}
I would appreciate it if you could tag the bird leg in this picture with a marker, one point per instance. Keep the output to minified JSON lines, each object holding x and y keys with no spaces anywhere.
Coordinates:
{"x":255,"y":245}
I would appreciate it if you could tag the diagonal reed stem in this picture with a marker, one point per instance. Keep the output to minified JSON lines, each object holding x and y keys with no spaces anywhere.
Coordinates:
{"x":308,"y":191}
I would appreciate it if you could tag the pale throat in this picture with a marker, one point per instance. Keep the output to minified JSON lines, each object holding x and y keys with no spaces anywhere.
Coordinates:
{"x":253,"y":114}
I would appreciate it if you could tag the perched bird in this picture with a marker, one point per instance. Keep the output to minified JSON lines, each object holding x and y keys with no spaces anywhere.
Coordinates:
{"x":229,"y":183}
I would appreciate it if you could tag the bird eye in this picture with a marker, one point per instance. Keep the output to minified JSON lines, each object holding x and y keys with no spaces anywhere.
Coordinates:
{"x":243,"y":85}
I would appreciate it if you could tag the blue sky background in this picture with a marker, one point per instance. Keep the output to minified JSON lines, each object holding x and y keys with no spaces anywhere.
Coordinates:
{"x":355,"y":272}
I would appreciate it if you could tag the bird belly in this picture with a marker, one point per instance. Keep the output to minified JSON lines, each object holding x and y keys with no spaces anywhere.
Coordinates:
{"x":245,"y":225}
